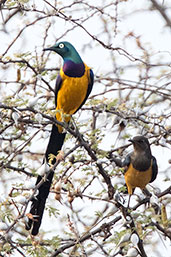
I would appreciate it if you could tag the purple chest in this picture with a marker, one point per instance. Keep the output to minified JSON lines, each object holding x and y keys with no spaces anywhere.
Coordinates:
{"x":72,"y":69}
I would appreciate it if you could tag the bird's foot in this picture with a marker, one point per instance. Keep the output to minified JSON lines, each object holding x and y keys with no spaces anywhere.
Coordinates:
{"x":54,"y":158}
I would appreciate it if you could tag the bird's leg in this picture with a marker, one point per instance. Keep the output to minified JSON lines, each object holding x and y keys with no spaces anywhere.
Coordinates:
{"x":129,"y":201}
{"x":146,"y":192}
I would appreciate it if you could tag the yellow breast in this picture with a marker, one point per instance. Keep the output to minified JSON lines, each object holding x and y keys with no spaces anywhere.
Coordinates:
{"x":135,"y":178}
{"x":71,"y":95}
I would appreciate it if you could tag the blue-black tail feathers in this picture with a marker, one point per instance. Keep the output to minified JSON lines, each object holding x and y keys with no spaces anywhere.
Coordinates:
{"x":38,"y":203}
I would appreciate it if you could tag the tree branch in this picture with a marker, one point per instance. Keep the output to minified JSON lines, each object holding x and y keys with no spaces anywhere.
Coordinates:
{"x":87,"y":236}
{"x":162,"y":12}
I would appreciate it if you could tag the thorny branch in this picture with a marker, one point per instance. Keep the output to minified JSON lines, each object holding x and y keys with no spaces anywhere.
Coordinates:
{"x":87,"y":236}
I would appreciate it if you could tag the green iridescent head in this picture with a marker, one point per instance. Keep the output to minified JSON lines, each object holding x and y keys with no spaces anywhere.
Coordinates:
{"x":66,"y":50}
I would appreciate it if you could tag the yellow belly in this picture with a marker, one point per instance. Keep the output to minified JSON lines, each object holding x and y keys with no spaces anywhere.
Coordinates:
{"x":134,"y":178}
{"x":71,"y":95}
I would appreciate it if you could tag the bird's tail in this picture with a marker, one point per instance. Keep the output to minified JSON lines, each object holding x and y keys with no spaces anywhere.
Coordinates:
{"x":38,"y":203}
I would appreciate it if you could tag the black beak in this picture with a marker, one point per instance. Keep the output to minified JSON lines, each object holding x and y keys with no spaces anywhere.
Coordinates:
{"x":131,"y":140}
{"x":49,"y":49}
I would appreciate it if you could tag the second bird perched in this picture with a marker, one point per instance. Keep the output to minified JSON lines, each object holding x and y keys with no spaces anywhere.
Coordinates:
{"x":141,"y":166}
{"x":73,"y":86}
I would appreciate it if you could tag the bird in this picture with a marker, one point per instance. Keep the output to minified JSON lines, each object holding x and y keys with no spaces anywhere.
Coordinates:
{"x":73,"y":86}
{"x":140,"y":165}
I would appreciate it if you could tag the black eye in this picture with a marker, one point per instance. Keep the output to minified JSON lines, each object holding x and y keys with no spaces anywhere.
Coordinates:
{"x":61,"y":45}
{"x":140,"y":141}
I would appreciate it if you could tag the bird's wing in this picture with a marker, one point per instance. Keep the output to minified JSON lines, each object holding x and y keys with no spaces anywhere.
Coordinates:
{"x":127,"y":161}
{"x":57,"y":87}
{"x":90,"y":86}
{"x":154,"y":169}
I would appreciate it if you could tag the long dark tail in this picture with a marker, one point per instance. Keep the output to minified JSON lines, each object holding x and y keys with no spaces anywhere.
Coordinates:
{"x":38,"y":203}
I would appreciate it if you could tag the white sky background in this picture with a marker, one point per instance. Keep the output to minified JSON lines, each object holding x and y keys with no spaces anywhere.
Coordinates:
{"x":151,"y":28}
